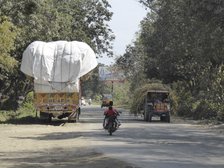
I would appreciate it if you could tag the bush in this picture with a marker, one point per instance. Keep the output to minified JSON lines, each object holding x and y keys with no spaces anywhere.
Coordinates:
{"x":9,"y":104}
{"x":173,"y":102}
{"x":219,"y":108}
{"x":26,"y":112}
{"x":220,"y":113}
{"x":97,"y":99}
{"x":29,"y":97}
{"x":184,"y":109}
{"x":204,"y":110}
{"x":27,"y":107}
{"x":183,"y":100}
{"x":121,"y":94}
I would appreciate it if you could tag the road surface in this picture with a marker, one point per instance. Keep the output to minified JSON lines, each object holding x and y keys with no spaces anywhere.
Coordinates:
{"x":137,"y":144}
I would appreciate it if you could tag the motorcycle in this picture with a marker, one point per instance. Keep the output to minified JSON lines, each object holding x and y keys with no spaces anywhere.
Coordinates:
{"x":111,"y":125}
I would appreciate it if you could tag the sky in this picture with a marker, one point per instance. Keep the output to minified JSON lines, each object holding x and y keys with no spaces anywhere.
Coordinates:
{"x":127,"y":15}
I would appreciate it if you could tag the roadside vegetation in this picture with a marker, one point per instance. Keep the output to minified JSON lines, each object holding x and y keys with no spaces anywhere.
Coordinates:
{"x":25,"y":114}
{"x":180,"y":45}
{"x":25,"y":21}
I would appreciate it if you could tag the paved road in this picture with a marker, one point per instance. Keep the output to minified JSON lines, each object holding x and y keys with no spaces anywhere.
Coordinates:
{"x":85,"y":144}
{"x":156,"y":144}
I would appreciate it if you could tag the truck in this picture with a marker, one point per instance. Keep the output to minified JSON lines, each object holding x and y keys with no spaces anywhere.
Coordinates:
{"x":107,"y":100}
{"x":157,"y":104}
{"x":56,"y":68}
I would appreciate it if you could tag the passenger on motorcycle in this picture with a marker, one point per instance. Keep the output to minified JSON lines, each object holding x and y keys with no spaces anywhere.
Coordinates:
{"x":108,"y":113}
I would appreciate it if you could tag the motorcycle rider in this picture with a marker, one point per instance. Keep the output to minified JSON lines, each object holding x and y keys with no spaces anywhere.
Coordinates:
{"x":108,"y":113}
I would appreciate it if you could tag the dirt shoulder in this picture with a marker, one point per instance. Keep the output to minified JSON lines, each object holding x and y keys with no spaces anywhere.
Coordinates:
{"x":29,"y":146}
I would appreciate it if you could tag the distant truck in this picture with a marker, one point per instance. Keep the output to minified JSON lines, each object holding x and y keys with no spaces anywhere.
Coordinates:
{"x":107,"y":99}
{"x":157,"y":104}
{"x":56,"y":68}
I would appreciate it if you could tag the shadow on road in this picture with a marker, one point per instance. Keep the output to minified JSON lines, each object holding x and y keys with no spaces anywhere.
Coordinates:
{"x":60,"y":157}
{"x":29,"y":120}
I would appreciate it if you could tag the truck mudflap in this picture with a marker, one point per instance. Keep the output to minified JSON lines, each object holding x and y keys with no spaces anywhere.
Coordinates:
{"x":74,"y":116}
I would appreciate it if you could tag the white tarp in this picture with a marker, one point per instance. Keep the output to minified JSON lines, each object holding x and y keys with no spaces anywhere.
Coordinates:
{"x":57,"y":65}
{"x":47,"y":87}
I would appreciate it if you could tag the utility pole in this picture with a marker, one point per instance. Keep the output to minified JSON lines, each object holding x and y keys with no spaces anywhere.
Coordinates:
{"x":112,"y":87}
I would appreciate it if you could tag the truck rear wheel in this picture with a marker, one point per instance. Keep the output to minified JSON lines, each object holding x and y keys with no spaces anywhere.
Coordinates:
{"x":163,"y":118}
{"x":168,"y":118}
{"x":45,"y":117}
{"x":146,"y":115}
{"x":78,"y":113}
{"x":49,"y":118}
{"x":150,"y":118}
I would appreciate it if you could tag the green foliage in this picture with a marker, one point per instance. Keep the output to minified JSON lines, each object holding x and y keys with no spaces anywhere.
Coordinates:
{"x":26,"y":112}
{"x":216,"y":91}
{"x":205,"y":110}
{"x":91,"y":87}
{"x":9,"y":104}
{"x":131,"y":63}
{"x":185,"y":105}
{"x":6,"y":116}
{"x":97,"y":99}
{"x":181,"y":43}
{"x":199,"y":107}
{"x":174,"y":102}
{"x":185,"y":45}
{"x":29,"y":98}
{"x":8,"y":33}
{"x":48,"y":20}
{"x":220,"y":112}
{"x":121,"y":94}
{"x":27,"y":109}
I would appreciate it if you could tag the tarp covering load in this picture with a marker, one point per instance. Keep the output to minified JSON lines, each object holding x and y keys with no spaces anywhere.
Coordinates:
{"x":57,"y":66}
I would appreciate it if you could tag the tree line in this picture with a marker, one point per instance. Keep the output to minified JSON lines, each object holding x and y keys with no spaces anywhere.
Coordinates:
{"x":181,"y":44}
{"x":25,"y":21}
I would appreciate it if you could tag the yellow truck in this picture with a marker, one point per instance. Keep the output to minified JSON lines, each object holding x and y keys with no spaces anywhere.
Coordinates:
{"x":107,"y":100}
{"x":56,"y":68}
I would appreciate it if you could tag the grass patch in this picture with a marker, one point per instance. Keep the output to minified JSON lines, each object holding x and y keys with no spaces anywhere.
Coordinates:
{"x":26,"y":114}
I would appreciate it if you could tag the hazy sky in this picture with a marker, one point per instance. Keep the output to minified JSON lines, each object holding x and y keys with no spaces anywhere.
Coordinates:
{"x":125,"y":23}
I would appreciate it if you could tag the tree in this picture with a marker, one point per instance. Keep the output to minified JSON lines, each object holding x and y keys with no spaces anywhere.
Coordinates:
{"x":90,"y":84}
{"x":8,"y":34}
{"x":182,"y":42}
{"x":50,"y":20}
{"x":185,"y":46}
{"x":132,"y":63}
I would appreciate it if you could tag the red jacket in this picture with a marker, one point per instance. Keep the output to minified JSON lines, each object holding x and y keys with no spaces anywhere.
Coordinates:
{"x":112,"y":112}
